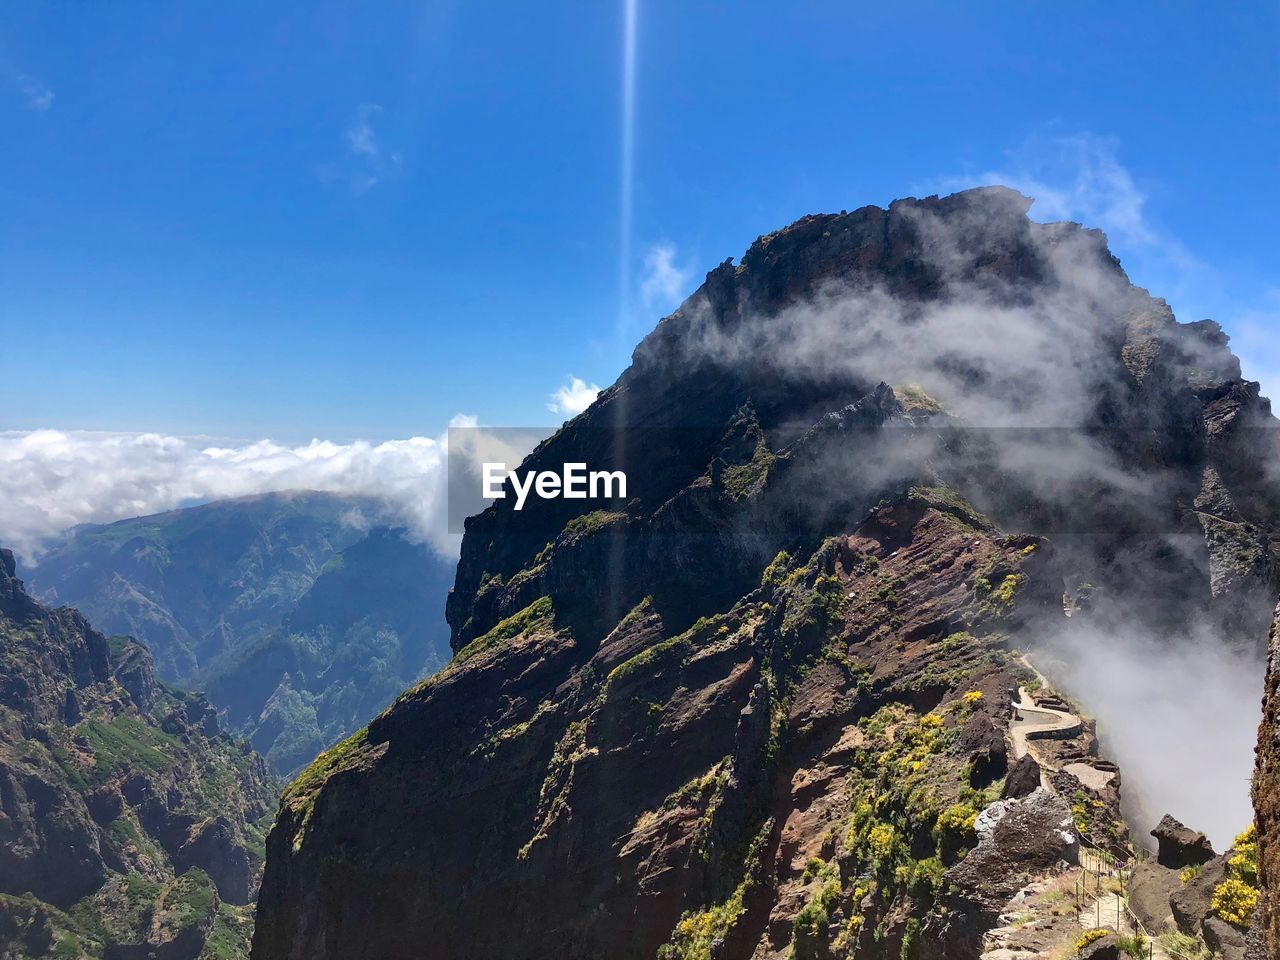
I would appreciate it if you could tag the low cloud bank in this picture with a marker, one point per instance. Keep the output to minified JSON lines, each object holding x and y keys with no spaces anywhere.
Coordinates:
{"x":1180,"y":716}
{"x":51,"y":480}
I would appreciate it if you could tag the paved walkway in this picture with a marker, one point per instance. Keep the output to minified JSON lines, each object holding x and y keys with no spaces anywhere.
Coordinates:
{"x":1091,"y":776}
{"x":1031,"y":721}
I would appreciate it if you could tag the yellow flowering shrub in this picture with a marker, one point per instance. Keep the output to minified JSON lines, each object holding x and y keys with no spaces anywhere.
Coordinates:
{"x":1090,"y":936}
{"x":1234,"y":900}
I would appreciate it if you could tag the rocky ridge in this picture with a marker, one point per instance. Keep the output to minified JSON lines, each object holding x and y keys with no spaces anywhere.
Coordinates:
{"x":131,"y":826}
{"x":758,"y":709}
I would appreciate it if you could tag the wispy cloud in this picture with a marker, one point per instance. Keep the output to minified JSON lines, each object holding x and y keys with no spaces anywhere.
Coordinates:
{"x":1074,"y":177}
{"x":664,"y":282}
{"x":1255,"y":334}
{"x":1080,"y":177}
{"x":367,"y":161}
{"x":573,"y":397}
{"x":35,"y":93}
{"x":360,"y":137}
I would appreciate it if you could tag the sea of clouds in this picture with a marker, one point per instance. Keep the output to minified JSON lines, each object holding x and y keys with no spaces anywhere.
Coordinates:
{"x":51,"y":480}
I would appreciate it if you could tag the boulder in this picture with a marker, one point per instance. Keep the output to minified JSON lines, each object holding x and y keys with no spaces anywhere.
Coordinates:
{"x":985,"y":746}
{"x":1179,"y":845}
{"x":1106,"y":948}
{"x":1227,"y":941}
{"x":1018,"y":840}
{"x":1023,"y":779}
{"x":1150,"y":887}
{"x":1193,"y":900}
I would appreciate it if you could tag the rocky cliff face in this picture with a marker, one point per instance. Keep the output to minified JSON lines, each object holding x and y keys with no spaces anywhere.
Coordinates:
{"x":130,"y":826}
{"x":762,"y":707}
{"x":1266,"y":800}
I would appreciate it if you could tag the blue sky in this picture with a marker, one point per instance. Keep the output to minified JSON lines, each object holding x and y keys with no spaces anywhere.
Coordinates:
{"x":333,"y":220}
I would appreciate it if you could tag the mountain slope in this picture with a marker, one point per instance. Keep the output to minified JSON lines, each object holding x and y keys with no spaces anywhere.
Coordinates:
{"x":1266,"y":798}
{"x":761,"y":708}
{"x":189,"y":582}
{"x":297,"y":619}
{"x":129,"y":824}
{"x":371,"y":623}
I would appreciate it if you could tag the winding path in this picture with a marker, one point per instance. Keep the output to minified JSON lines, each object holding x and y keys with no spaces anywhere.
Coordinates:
{"x":1033,"y":722}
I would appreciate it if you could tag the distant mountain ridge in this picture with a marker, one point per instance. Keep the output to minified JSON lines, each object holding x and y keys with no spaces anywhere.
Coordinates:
{"x":371,"y":624}
{"x":302,"y":613}
{"x":186,"y":582}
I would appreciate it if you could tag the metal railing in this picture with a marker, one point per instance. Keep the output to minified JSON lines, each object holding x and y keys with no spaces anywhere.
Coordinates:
{"x":1098,"y":865}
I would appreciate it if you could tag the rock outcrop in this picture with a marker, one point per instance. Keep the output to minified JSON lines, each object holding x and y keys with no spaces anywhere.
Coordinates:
{"x":1023,"y":778}
{"x":1178,"y":846}
{"x":129,"y":825}
{"x":1023,"y":839}
{"x":1266,"y":800}
{"x":1183,"y":889}
{"x":755,"y":708}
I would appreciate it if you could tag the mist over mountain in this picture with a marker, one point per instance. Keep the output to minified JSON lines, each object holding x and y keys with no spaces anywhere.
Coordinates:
{"x":778,"y":702}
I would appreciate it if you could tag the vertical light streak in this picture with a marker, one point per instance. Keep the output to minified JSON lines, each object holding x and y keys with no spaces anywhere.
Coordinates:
{"x":629,"y":17}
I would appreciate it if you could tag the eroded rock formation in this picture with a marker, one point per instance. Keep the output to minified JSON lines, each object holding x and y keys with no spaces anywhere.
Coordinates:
{"x":755,"y":709}
{"x":129,"y":825}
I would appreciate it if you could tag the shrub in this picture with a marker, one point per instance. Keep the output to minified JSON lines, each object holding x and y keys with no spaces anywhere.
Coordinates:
{"x":1008,"y":588}
{"x":1090,"y":936}
{"x":880,"y":839}
{"x":1135,"y":944}
{"x":957,"y":819}
{"x":776,"y":571}
{"x":1234,"y":900}
{"x":926,"y":878}
{"x":1243,"y":862}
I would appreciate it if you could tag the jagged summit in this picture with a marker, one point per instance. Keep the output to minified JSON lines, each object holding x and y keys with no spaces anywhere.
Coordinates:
{"x":755,"y":709}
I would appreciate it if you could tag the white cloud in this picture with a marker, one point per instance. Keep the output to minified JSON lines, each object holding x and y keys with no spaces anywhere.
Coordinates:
{"x":360,"y":137}
{"x":51,"y":480}
{"x":39,"y":97}
{"x":574,"y":397}
{"x":367,"y":162}
{"x":1080,"y":177}
{"x":35,"y":93}
{"x":1255,"y":336}
{"x":664,"y":283}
